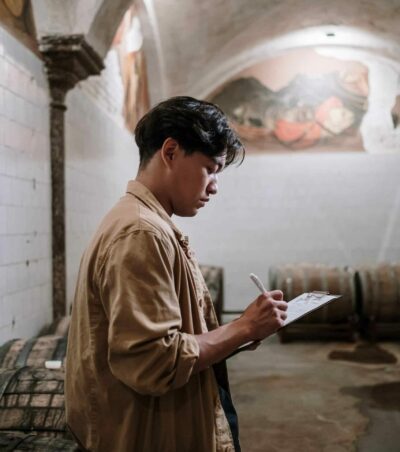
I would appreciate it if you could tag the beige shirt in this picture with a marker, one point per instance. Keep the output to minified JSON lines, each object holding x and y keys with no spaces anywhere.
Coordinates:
{"x":139,"y":300}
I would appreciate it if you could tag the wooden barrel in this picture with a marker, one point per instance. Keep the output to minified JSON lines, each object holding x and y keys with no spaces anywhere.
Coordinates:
{"x":214,"y":279}
{"x":59,"y":327}
{"x":32,"y":352}
{"x":379,"y":291}
{"x":336,"y":320}
{"x":296,"y":279}
{"x":18,"y":442}
{"x":32,"y":399}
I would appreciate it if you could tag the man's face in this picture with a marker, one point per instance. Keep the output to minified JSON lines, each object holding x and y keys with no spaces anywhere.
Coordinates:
{"x":194,"y":181}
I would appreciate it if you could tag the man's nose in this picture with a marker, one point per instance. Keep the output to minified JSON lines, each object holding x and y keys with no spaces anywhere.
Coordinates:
{"x":212,"y":187}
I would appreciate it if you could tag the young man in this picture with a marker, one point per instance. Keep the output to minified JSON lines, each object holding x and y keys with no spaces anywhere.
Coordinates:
{"x":145,"y":363}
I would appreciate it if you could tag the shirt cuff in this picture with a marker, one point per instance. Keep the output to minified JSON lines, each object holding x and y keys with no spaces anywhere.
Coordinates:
{"x":189,"y":352}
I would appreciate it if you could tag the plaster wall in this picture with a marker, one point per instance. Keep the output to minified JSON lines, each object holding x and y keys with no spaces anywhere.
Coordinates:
{"x":341,"y":209}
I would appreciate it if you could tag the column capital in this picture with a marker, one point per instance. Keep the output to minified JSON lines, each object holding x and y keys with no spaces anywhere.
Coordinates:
{"x":68,"y":60}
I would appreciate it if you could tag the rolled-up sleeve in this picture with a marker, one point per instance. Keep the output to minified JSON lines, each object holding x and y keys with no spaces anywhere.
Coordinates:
{"x":147,"y":349}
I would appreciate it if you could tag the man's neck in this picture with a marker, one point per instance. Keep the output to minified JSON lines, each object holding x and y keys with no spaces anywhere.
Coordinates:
{"x":151,"y":183}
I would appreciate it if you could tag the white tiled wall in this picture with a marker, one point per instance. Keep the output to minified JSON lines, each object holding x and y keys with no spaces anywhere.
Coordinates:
{"x":25,"y":231}
{"x":100,"y":157}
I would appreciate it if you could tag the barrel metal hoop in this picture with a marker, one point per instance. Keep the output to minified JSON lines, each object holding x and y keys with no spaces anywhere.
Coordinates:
{"x":396,"y":282}
{"x":376,"y":288}
{"x":24,"y":353}
{"x":306,"y":282}
{"x":324,"y":278}
{"x":289,"y":282}
{"x":342,"y":276}
{"x":367,"y":288}
{"x":351,"y":277}
{"x":6,"y":377}
{"x":4,"y":349}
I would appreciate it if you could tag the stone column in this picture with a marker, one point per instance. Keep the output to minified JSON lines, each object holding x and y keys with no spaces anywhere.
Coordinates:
{"x":68,"y":60}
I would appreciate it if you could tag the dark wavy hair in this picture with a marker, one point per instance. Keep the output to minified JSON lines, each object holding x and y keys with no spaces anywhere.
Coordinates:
{"x":197,"y":126}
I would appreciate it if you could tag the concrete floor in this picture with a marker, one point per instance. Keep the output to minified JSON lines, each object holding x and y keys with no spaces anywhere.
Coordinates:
{"x":306,"y":397}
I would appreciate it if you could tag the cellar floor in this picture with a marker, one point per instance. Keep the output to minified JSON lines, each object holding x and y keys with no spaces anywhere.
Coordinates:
{"x":306,"y":397}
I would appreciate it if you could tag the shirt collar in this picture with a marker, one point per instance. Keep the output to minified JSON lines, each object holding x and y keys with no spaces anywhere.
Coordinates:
{"x":141,"y":192}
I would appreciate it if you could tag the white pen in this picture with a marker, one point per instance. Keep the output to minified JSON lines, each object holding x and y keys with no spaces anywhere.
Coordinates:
{"x":253,"y":344}
{"x":257,"y":282}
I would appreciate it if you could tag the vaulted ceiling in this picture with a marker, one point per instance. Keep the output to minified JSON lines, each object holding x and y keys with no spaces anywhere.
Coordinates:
{"x":195,"y":45}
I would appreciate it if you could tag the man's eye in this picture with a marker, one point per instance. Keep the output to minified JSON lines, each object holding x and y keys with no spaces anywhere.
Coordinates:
{"x":210,"y":170}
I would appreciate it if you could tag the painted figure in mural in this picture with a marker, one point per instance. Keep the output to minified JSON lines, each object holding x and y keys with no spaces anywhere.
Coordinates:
{"x":17,"y":16}
{"x":306,"y":112}
{"x":145,"y":363}
{"x":128,"y":43}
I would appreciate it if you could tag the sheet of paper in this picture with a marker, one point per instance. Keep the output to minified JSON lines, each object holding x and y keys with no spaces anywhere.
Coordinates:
{"x":297,"y":308}
{"x":306,"y":303}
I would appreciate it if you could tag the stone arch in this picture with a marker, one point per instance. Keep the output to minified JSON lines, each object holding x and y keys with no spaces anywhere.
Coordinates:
{"x":105,"y":23}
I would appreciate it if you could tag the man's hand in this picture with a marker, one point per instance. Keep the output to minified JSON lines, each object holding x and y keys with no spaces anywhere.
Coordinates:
{"x":260,"y":319}
{"x":265,"y":315}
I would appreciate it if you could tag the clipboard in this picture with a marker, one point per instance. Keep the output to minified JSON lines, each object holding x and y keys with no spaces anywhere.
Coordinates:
{"x":299,"y":307}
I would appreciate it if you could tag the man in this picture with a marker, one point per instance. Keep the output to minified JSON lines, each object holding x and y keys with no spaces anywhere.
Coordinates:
{"x":144,"y":337}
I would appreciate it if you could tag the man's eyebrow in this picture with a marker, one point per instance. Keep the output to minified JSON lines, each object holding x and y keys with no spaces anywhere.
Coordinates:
{"x":218,"y":162}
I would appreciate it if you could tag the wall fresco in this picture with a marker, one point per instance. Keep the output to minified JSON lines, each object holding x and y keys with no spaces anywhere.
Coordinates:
{"x":298,"y":101}
{"x":128,"y":44}
{"x":16,"y":16}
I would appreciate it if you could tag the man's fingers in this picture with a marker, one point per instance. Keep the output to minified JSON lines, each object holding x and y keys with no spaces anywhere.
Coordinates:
{"x":276,"y":294}
{"x":266,"y":297}
{"x":280,"y":304}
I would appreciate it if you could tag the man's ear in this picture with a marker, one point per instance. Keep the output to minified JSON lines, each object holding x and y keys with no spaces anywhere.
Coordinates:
{"x":169,"y":151}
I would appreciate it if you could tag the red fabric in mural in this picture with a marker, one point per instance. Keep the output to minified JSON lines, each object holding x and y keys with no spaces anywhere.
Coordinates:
{"x":300,"y":134}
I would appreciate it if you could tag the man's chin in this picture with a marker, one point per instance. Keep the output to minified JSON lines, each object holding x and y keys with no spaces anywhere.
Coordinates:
{"x":187,"y":213}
